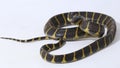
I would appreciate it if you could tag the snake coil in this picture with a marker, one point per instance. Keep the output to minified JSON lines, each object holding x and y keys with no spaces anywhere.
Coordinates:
{"x":90,"y":24}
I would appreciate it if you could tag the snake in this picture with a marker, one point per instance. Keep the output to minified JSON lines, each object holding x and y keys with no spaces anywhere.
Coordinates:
{"x":89,"y":24}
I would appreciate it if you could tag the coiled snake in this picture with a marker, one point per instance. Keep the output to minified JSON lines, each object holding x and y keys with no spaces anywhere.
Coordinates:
{"x":90,"y":24}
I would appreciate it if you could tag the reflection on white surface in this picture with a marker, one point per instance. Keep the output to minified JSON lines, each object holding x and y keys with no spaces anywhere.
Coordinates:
{"x":117,"y":38}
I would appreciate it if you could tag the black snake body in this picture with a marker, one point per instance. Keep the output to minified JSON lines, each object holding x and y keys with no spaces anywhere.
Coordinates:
{"x":90,"y":24}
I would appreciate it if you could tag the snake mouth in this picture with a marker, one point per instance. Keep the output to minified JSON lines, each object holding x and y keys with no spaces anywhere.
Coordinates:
{"x":75,"y":18}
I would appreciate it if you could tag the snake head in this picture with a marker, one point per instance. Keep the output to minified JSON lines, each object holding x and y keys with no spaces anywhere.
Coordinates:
{"x":74,"y":17}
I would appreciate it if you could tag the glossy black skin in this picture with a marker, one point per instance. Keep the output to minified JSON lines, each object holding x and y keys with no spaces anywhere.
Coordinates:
{"x":96,"y":23}
{"x":95,"y":20}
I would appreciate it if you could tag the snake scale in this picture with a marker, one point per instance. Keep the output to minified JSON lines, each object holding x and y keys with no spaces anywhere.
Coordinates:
{"x":89,"y":24}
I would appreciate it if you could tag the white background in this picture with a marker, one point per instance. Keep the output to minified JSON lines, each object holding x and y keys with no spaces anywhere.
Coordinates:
{"x":26,"y":19}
